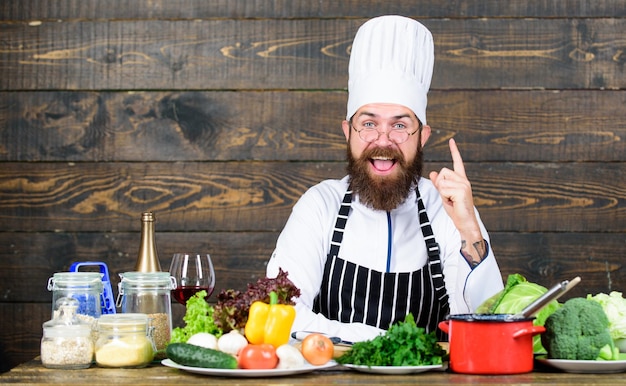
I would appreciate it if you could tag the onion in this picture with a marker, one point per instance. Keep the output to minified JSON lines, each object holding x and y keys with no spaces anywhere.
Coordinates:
{"x":203,"y":339}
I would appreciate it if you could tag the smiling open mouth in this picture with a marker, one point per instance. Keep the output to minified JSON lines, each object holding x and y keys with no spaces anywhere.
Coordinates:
{"x":383,"y":163}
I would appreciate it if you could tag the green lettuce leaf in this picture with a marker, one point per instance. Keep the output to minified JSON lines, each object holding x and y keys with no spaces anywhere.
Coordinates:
{"x":198,"y":318}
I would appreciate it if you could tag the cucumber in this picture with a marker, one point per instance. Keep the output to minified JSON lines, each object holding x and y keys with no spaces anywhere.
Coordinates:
{"x":195,"y":356}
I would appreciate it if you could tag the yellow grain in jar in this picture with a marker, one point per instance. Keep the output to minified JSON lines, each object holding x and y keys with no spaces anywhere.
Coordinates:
{"x":124,"y":341}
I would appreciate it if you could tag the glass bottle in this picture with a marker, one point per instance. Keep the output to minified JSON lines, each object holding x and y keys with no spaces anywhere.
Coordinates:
{"x":124,"y":340}
{"x":147,"y":258}
{"x":67,"y":341}
{"x":149,"y":293}
{"x":86,"y":287}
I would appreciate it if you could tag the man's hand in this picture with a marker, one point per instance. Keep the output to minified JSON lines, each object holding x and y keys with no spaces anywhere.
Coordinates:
{"x":456,"y":194}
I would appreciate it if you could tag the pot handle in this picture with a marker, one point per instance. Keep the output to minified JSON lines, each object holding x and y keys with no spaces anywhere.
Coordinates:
{"x":444,"y":326}
{"x":534,"y":330}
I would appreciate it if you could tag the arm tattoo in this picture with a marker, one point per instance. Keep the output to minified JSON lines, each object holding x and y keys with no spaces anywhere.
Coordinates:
{"x":481,"y":249}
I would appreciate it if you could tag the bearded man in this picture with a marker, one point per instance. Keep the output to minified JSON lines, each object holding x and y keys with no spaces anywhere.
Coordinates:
{"x":384,"y":242}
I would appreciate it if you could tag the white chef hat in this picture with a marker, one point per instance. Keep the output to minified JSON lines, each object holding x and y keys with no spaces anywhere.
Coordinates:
{"x":391,"y":61}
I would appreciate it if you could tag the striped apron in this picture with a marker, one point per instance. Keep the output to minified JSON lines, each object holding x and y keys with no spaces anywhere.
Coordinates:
{"x":353,"y":293}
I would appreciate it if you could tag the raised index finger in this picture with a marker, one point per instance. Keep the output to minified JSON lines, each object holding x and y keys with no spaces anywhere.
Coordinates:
{"x":457,"y":161}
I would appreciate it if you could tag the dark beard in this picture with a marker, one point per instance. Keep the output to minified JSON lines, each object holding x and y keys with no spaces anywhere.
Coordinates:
{"x":383,"y":193}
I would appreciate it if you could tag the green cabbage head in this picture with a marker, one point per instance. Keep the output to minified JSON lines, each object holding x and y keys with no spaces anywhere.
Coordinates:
{"x":516,"y":295}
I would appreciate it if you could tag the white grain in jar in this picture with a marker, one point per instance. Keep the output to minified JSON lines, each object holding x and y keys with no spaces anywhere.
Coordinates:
{"x":67,"y":352}
{"x":67,"y":341}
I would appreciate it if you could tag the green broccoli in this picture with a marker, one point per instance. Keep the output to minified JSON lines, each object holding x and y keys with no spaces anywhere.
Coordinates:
{"x":579,"y":330}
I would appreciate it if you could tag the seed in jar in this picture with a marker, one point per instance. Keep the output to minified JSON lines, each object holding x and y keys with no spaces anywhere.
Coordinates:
{"x":67,"y":352}
{"x":161,"y":333}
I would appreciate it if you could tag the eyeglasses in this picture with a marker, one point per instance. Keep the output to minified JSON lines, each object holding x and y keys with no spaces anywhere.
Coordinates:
{"x":371,"y":134}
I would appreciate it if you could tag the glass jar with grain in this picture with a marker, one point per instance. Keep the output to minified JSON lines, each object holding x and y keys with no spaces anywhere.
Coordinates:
{"x":86,"y":287}
{"x":149,"y":293}
{"x":124,"y":341}
{"x":67,"y":341}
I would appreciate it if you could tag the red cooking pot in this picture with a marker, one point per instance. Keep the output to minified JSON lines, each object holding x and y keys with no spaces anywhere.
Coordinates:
{"x":490,"y":343}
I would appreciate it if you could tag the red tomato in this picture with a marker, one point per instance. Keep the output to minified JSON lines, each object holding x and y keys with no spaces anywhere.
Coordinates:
{"x":317,"y":349}
{"x":258,"y":356}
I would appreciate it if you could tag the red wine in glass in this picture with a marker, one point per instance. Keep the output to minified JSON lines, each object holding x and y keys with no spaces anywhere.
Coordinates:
{"x":193,"y":272}
{"x":184,"y":293}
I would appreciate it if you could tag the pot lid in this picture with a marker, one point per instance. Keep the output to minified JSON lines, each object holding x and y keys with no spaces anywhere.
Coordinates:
{"x":489,"y":317}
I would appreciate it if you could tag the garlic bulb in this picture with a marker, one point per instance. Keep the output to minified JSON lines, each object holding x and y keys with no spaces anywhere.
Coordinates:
{"x":289,"y":357}
{"x":232,"y":342}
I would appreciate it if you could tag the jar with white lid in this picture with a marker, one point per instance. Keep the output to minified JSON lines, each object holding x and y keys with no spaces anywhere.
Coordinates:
{"x":149,"y":293}
{"x":67,"y":341}
{"x":124,"y":341}
{"x":86,"y":287}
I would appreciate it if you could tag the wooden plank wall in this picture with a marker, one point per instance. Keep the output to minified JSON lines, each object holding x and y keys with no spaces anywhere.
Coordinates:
{"x":219,"y":115}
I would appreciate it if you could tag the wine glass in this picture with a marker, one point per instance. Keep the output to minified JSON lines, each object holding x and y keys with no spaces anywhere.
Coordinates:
{"x":193,"y":272}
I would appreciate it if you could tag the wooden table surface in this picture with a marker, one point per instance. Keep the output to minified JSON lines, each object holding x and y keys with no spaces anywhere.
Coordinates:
{"x":33,"y":373}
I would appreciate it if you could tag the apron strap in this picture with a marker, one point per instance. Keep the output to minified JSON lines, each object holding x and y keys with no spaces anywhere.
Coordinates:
{"x":340,"y":223}
{"x":427,"y":231}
